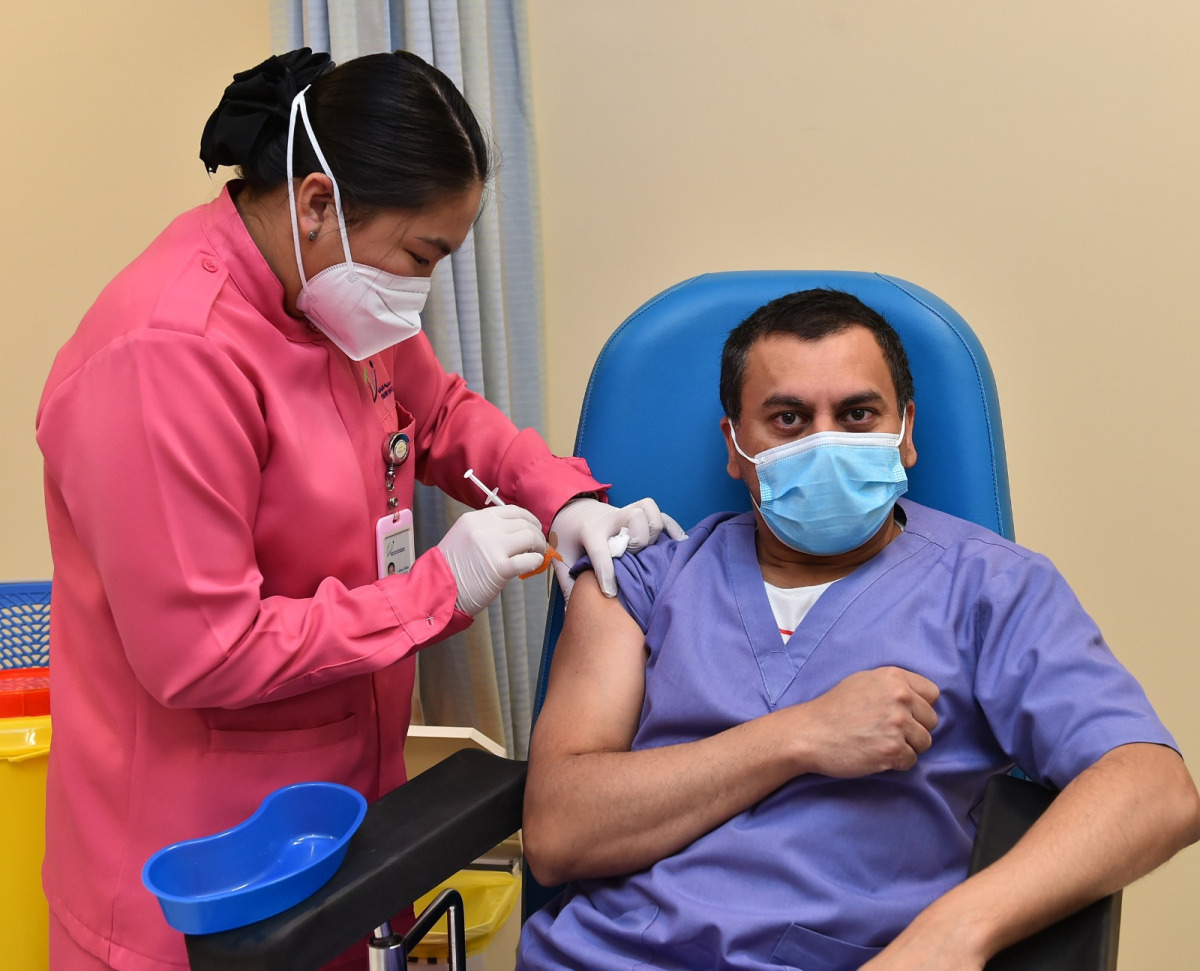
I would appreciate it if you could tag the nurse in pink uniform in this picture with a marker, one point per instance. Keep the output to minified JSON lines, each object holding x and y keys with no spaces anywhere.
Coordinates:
{"x":231,"y":440}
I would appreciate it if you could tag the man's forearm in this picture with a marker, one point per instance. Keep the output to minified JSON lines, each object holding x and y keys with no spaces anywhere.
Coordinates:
{"x":601,"y":814}
{"x":604,"y":810}
{"x":1131,"y":811}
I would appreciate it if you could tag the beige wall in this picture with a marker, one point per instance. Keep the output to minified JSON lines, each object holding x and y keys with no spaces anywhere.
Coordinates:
{"x":100,"y":125}
{"x":1031,"y":163}
{"x":1034,"y":164}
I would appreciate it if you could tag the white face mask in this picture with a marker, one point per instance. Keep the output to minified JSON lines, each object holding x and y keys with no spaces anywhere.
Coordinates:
{"x":362,"y":309}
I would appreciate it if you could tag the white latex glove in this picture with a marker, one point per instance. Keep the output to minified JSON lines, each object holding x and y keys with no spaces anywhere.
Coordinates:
{"x":603,"y":532}
{"x":488,"y":547}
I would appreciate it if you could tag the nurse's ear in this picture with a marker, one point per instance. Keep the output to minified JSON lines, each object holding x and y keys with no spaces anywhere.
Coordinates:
{"x":316,"y":212}
{"x":908,"y":451}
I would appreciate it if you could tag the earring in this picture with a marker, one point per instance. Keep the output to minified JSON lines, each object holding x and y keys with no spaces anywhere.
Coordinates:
{"x":312,"y":235}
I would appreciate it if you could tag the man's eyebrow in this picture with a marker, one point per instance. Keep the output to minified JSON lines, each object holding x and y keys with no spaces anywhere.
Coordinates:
{"x":800,"y":404}
{"x":786,"y":401}
{"x":437,"y":243}
{"x":862,"y":398}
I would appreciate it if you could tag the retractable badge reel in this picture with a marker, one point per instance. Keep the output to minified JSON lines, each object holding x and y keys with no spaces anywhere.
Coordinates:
{"x":394,"y":550}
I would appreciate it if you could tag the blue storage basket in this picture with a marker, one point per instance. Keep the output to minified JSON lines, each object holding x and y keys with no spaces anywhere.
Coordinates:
{"x":25,"y":625}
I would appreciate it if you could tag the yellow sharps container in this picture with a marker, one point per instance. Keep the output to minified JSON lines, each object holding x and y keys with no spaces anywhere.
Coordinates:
{"x":24,"y":748}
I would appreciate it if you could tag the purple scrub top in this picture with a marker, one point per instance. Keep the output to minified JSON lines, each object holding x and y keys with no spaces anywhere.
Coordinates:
{"x":824,"y":872}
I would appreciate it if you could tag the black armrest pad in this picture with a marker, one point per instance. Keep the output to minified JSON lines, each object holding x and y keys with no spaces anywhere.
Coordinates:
{"x":1085,"y":941}
{"x":411,"y":839}
{"x":1010,"y":806}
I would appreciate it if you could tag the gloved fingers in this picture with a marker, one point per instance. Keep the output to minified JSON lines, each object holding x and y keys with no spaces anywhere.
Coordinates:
{"x":548,"y":558}
{"x":603,"y":524}
{"x":637,"y":519}
{"x":519,"y":536}
{"x":660,"y":521}
{"x":517,"y":542}
{"x":572,"y":523}
{"x":602,"y":564}
{"x":520,"y":551}
{"x":505,"y":531}
{"x":562,"y":573}
{"x":522,"y":564}
{"x":674,"y":530}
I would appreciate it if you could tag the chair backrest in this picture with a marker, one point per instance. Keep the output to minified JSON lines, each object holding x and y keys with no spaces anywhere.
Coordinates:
{"x":650,"y":418}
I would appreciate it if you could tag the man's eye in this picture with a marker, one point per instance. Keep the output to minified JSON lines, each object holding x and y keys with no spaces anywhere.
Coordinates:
{"x":858,"y":414}
{"x":788,"y":419}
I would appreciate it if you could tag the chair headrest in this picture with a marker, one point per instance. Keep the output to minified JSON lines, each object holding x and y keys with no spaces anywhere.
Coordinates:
{"x":650,"y":418}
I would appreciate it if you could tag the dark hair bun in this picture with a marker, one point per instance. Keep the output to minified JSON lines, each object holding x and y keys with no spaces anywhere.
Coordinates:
{"x":256,"y":106}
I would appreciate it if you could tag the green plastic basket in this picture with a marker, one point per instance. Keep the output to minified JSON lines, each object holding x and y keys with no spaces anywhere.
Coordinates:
{"x":25,"y":625}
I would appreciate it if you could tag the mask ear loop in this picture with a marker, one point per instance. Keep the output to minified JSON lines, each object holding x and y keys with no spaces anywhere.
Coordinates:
{"x":292,"y":188}
{"x":753,"y":501}
{"x":733,"y":436}
{"x":300,"y":106}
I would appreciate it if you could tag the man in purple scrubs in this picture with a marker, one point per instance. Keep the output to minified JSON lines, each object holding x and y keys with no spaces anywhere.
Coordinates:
{"x":766,"y":752}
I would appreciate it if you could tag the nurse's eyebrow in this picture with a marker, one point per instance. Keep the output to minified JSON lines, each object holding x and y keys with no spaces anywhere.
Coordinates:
{"x":437,"y":243}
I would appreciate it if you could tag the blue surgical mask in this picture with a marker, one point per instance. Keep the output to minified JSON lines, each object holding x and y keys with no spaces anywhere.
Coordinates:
{"x":829,"y":492}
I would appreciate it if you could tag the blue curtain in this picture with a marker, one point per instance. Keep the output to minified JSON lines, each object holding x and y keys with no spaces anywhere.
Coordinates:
{"x":484,"y":314}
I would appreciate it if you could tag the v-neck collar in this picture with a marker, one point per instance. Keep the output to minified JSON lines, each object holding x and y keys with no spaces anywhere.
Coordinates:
{"x":779,"y":662}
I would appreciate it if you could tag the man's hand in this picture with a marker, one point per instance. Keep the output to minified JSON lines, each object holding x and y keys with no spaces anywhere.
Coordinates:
{"x":870,"y":722}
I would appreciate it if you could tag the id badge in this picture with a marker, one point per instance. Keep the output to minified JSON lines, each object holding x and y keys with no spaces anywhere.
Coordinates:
{"x":394,"y":543}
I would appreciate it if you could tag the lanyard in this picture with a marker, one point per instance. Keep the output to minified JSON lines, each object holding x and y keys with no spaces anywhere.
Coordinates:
{"x":396,"y":444}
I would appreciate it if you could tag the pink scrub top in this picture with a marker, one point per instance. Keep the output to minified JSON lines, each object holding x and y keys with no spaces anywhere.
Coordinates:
{"x":213,"y":477}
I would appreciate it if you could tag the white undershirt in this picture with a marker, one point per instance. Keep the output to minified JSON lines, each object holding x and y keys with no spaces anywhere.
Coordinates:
{"x":791,"y":604}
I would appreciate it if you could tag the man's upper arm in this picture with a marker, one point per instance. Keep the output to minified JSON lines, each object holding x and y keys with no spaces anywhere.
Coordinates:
{"x":597,"y":679}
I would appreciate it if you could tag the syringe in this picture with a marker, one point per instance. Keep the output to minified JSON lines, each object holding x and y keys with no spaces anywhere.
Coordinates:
{"x":493,"y":497}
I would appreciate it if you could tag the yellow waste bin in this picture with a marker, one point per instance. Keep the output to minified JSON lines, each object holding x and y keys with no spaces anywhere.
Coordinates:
{"x":489,"y":897}
{"x":24,"y":746}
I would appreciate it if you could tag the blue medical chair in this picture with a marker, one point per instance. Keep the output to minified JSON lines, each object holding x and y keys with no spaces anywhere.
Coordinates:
{"x":649,"y":425}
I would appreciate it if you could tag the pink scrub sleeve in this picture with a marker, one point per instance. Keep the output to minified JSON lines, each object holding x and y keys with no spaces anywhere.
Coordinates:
{"x":457,"y":430}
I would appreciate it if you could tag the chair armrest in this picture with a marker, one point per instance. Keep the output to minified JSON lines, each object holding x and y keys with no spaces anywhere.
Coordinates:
{"x":1085,"y":941}
{"x":412,"y":838}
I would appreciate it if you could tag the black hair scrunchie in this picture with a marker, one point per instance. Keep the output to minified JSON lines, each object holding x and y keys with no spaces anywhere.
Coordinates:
{"x":254,"y":102}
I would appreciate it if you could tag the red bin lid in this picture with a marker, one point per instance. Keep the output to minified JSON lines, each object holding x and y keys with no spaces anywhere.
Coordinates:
{"x":24,"y":692}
